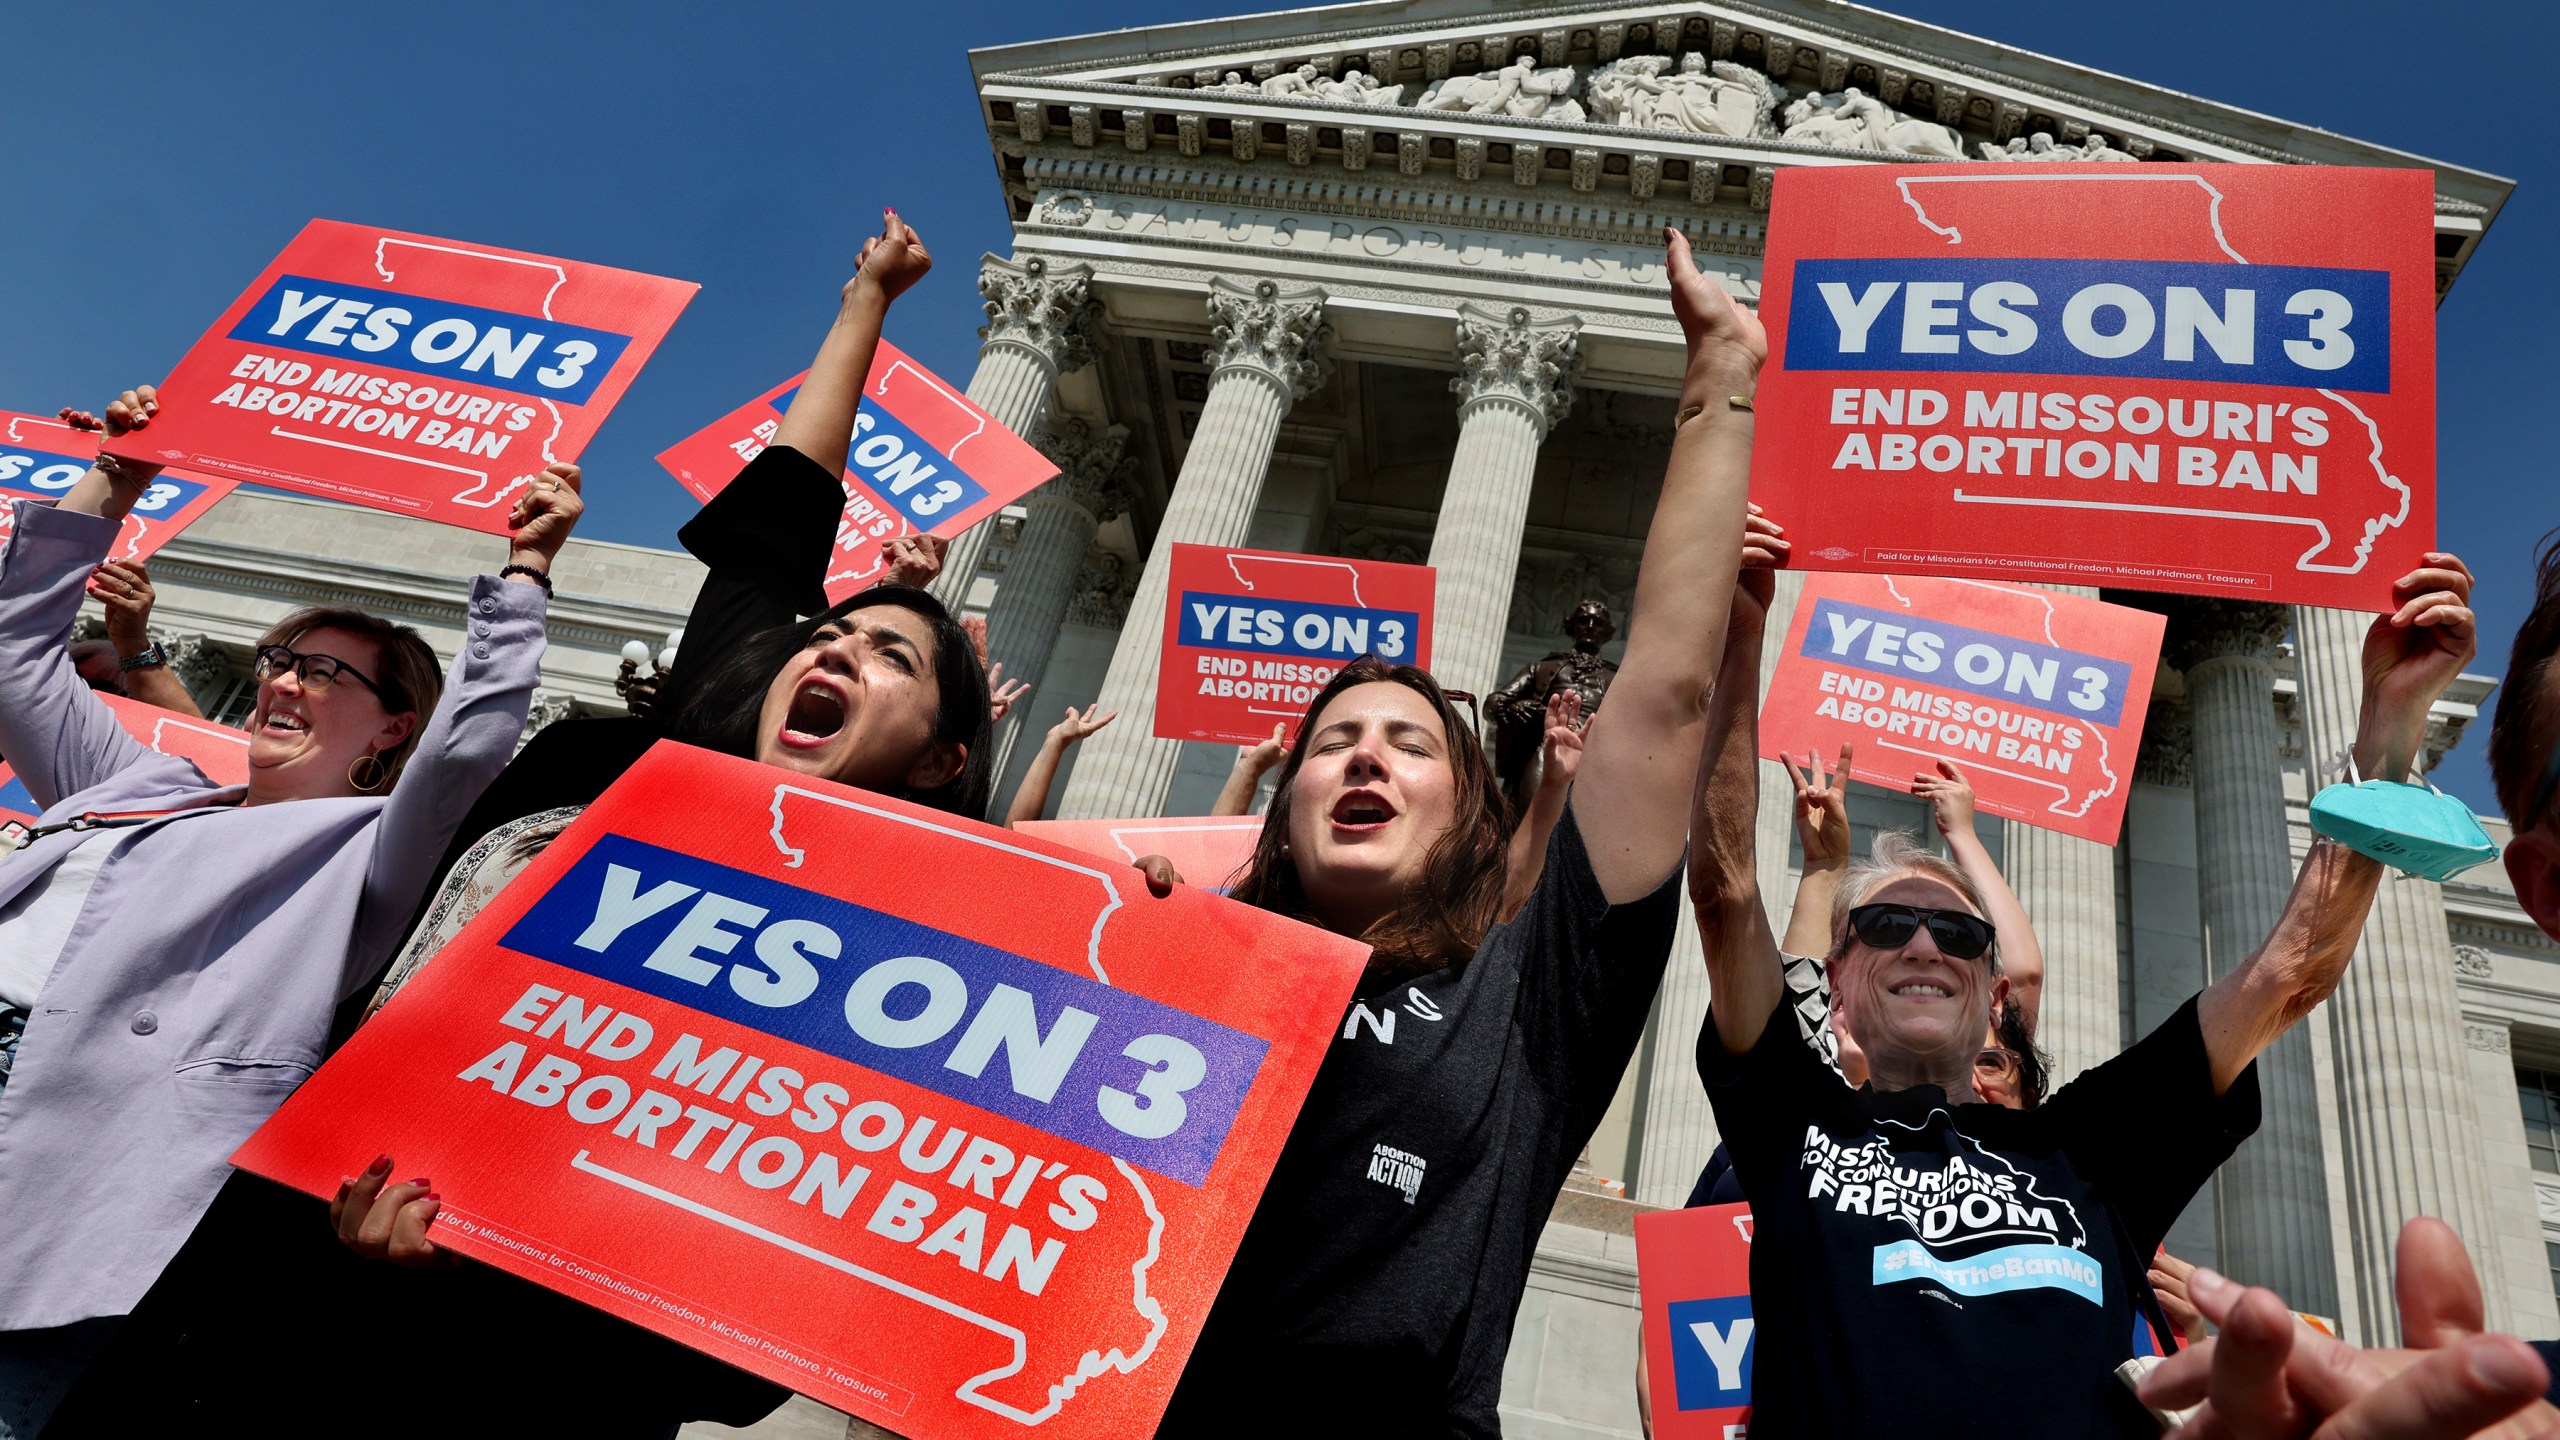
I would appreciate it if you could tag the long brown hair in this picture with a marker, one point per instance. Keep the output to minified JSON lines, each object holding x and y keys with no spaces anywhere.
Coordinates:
{"x":1443,"y":920}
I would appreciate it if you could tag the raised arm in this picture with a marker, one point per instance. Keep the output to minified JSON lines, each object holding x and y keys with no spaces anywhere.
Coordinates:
{"x":1032,"y":795}
{"x":1745,"y":975}
{"x":2410,"y":656}
{"x":473,"y":732}
{"x":1643,"y":749}
{"x":1560,"y":759}
{"x":819,"y":423}
{"x":125,"y":592}
{"x":1950,"y":797}
{"x":1822,"y":827}
{"x":1252,"y":763}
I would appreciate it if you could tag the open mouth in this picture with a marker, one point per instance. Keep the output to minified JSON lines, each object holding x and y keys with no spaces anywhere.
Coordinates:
{"x":817,"y":713}
{"x":1923,"y":989}
{"x":280,"y":723}
{"x":1362,"y":810}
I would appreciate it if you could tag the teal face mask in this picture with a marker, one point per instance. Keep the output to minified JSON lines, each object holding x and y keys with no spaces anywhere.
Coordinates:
{"x":2416,"y":828}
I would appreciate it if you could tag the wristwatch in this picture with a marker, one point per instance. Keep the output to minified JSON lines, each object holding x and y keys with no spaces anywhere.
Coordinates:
{"x":151,"y":655}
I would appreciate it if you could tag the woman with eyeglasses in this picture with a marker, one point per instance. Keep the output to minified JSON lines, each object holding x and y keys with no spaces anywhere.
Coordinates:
{"x":1375,"y":1289}
{"x":171,"y":949}
{"x":1967,"y":1232}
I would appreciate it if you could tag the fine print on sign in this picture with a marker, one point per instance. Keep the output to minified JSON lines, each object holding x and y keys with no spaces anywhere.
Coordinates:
{"x":2038,"y":697}
{"x":42,"y":458}
{"x":747,"y":1058}
{"x":221,"y":752}
{"x":2208,"y":379}
{"x":1251,"y":636}
{"x":1206,"y":850}
{"x":421,"y":376}
{"x":1693,"y":1277}
{"x":925,"y":460}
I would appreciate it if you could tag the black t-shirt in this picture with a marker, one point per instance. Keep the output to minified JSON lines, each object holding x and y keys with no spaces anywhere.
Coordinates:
{"x":1910,"y":1259}
{"x":1374,"y":1292}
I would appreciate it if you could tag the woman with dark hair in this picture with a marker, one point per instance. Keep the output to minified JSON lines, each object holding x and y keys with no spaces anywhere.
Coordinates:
{"x":171,"y":950}
{"x":883,"y":691}
{"x":1375,"y":1290}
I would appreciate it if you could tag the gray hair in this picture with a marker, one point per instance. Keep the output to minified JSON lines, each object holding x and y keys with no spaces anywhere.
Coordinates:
{"x":1897,"y":853}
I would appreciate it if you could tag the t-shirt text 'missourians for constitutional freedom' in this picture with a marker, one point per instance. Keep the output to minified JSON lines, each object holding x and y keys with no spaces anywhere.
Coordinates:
{"x":1919,"y":1268}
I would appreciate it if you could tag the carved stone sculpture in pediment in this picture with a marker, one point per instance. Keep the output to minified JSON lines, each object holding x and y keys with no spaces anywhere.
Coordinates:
{"x":1518,"y":89}
{"x":1358,"y":87}
{"x":1647,"y":93}
{"x":1854,"y":120}
{"x":1234,"y":82}
{"x":2041,"y":146}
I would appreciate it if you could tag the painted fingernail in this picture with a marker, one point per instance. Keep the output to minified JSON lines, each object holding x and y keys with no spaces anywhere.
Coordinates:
{"x":381,"y":1166}
{"x":422,"y":1182}
{"x":433,"y":1198}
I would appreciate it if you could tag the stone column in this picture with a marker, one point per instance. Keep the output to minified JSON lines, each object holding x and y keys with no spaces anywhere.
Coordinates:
{"x":1515,"y":381}
{"x":1040,"y":569}
{"x":2405,"y":1112}
{"x":1039,"y":326}
{"x":2068,"y":886}
{"x":2274,"y":1223}
{"x":1266,"y":350}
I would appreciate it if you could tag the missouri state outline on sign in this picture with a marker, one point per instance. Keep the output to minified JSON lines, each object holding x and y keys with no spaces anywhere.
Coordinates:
{"x":2211,"y":379}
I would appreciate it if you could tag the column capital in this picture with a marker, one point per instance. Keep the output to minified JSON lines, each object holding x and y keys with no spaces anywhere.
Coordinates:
{"x":1506,"y":356}
{"x":1104,"y":586}
{"x":194,"y":659}
{"x":1043,"y":308}
{"x":2168,"y":755}
{"x":2202,"y":628}
{"x":1280,"y":333}
{"x":1093,"y":466}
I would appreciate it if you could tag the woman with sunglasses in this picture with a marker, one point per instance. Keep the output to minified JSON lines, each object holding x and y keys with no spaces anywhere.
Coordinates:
{"x":1375,"y":1290}
{"x":883,"y":691}
{"x":1967,"y":1233}
{"x":173,"y":949}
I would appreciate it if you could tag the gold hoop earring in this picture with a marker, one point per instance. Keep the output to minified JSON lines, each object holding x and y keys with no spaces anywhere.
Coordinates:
{"x":370,"y":766}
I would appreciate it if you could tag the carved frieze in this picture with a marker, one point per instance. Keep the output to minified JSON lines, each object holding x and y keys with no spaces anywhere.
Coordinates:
{"x":1695,"y":97}
{"x":2491,"y":1038}
{"x":2472,"y":963}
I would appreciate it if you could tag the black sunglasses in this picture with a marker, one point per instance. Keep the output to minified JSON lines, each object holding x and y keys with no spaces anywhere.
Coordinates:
{"x":1469,"y":697}
{"x":316,"y":672}
{"x":1890,"y":927}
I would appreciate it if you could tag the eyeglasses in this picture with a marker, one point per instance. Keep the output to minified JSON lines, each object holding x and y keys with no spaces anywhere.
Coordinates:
{"x":1997,"y":1063}
{"x":1890,"y":927}
{"x":316,"y":672}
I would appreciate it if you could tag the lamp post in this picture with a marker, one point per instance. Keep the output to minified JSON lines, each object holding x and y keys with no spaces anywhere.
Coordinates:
{"x":640,"y":692}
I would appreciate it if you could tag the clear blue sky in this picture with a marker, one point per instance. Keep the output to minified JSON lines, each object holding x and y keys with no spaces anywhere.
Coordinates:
{"x":160,"y":154}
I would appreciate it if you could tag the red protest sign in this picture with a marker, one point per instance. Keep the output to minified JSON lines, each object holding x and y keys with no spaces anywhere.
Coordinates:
{"x":40,"y":459}
{"x":1251,"y":636}
{"x":925,"y":460}
{"x":221,"y":752}
{"x":1693,"y":1277}
{"x":2039,"y":697}
{"x":2211,"y":379}
{"x":421,"y":376}
{"x":760,"y":1062}
{"x":1206,"y":850}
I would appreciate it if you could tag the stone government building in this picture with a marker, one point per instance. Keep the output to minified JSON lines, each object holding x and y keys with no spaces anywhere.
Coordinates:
{"x":1383,"y":280}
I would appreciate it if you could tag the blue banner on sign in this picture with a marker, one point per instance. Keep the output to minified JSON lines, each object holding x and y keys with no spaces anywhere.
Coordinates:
{"x":1711,"y":1343}
{"x":495,"y":348}
{"x":1296,"y":627}
{"x":1978,"y":662}
{"x":1124,"y":1074}
{"x":2154,"y":319}
{"x":923,"y":484}
{"x":2011,"y":1267}
{"x":46,"y":475}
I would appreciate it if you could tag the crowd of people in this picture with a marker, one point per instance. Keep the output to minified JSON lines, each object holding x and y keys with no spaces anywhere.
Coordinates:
{"x":176,"y":956}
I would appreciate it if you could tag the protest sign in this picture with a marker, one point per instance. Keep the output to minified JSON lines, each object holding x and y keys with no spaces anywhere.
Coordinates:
{"x":41,"y":459}
{"x":1251,"y":636}
{"x":221,"y":752}
{"x":2038,"y":696}
{"x":924,"y":461}
{"x":1693,"y":1277}
{"x":421,"y":376}
{"x":2210,"y":379}
{"x":1206,"y":850}
{"x":751,"y":1059}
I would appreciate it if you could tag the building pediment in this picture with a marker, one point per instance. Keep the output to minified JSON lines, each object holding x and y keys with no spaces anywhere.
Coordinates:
{"x":1691,"y":106}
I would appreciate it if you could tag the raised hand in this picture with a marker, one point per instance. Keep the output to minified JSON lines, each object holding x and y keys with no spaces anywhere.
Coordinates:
{"x":1080,"y":726}
{"x":128,"y":412}
{"x":1822,"y":807}
{"x":1717,"y":328}
{"x":544,"y":514}
{"x":1560,"y":750}
{"x":912,"y":560}
{"x":1950,"y":797}
{"x":125,"y":591}
{"x":1001,"y":693}
{"x":890,"y":263}
{"x":1764,"y":542}
{"x":2410,"y":656}
{"x":1257,"y":758}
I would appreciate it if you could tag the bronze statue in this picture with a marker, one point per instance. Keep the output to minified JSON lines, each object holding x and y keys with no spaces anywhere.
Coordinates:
{"x":1518,"y":710}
